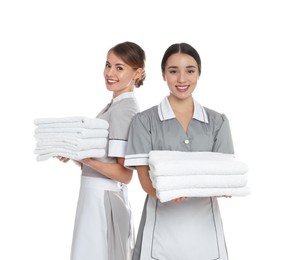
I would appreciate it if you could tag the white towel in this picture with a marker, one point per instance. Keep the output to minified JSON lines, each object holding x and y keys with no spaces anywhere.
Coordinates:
{"x":75,"y":121}
{"x":39,"y":130}
{"x":174,"y":155}
{"x":70,"y":132}
{"x":197,"y":174}
{"x":163,"y":183}
{"x":165,"y":196}
{"x":188,"y":167}
{"x":188,"y":163}
{"x":72,"y":143}
{"x":85,"y":123}
{"x":60,"y":149}
{"x":75,"y":155}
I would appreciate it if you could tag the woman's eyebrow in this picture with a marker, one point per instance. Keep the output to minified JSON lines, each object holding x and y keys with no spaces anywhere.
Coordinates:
{"x":191,"y":66}
{"x":172,"y":67}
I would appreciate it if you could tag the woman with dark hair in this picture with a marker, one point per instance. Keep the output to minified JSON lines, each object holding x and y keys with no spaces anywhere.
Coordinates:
{"x":186,"y":228}
{"x":103,"y":227}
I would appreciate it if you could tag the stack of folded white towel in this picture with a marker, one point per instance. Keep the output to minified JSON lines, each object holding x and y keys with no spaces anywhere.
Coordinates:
{"x":72,"y":137}
{"x":177,"y":174}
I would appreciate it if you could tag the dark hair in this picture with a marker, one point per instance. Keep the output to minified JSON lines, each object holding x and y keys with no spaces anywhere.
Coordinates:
{"x":133,"y":55}
{"x":181,"y":48}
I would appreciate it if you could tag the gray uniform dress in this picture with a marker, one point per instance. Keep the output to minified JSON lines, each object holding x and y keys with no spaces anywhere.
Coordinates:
{"x":103,"y":227}
{"x":192,"y":229}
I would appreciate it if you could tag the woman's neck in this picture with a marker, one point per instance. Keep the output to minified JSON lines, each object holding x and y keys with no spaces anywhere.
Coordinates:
{"x":183,"y":110}
{"x":182,"y":105}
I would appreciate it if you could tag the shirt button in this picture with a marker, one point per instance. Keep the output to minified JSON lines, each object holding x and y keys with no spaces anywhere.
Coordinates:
{"x":187,"y":141}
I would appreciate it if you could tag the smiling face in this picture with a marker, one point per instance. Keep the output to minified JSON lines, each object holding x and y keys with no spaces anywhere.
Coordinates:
{"x":181,"y":74}
{"x":119,"y":76}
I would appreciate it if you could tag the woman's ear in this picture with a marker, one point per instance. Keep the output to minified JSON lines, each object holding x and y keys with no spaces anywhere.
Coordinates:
{"x":138,"y":73}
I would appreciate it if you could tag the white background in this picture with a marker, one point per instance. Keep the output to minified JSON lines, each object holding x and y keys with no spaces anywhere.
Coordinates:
{"x":52,"y":55}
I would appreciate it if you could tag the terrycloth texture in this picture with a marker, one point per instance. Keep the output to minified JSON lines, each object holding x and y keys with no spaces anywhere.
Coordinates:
{"x":197,"y":174}
{"x":75,"y":155}
{"x":165,"y":183}
{"x":72,"y":137}
{"x":187,"y":163}
{"x":203,"y":167}
{"x":80,"y":133}
{"x":172,"y":155}
{"x":77,"y":130}
{"x":72,"y":143}
{"x":71,"y":122}
{"x":168,"y":195}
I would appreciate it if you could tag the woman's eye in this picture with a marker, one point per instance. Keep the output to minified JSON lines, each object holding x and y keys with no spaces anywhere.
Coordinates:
{"x":107,"y":65}
{"x":119,"y":68}
{"x":172,"y":71}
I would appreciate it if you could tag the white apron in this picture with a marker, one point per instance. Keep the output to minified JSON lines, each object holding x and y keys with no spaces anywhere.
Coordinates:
{"x":190,"y":230}
{"x":103,"y":228}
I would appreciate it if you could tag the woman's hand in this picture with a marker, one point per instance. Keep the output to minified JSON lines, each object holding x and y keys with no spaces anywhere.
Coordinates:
{"x":62,"y":159}
{"x":178,"y":200}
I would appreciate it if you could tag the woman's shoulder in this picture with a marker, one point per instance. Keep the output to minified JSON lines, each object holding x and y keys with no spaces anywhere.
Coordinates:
{"x":127,"y":104}
{"x":215,"y":116}
{"x":212,"y":113}
{"x":147,"y":115}
{"x":149,"y":112}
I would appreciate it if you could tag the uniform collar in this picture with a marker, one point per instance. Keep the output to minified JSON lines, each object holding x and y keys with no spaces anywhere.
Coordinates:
{"x":165,"y":111}
{"x":123,"y":96}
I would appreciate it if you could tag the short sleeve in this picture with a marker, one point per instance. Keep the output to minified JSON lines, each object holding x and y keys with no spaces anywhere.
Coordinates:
{"x":223,"y":142}
{"x":119,"y":123}
{"x":139,"y":142}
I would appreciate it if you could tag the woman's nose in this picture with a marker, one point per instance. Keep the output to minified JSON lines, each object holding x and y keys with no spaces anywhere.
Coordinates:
{"x":110,"y":71}
{"x":182,"y":77}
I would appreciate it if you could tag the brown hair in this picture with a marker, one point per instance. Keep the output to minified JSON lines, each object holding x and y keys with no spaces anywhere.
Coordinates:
{"x":181,"y":48}
{"x":133,"y":55}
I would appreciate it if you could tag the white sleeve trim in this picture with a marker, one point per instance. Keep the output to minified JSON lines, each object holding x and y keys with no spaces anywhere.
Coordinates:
{"x":117,"y":148}
{"x":136,"y":160}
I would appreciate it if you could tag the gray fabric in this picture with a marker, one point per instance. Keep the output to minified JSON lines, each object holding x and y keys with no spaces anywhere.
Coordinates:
{"x":196,"y":221}
{"x":118,"y":226}
{"x":137,"y":247}
{"x":118,"y":114}
{"x":148,"y":133}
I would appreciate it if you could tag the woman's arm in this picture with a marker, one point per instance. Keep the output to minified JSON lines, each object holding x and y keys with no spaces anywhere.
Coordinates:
{"x":145,"y":181}
{"x":115,"y":171}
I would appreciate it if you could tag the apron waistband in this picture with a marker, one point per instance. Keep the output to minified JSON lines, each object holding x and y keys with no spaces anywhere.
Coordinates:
{"x":101,"y":183}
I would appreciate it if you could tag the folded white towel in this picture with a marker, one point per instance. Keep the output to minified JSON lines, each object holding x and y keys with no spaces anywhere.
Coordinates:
{"x":72,"y":122}
{"x":67,"y":130}
{"x":72,"y":143}
{"x":75,"y":155}
{"x":49,"y":120}
{"x":70,"y":132}
{"x":67,"y":121}
{"x":60,"y":149}
{"x":188,"y":163}
{"x":189,"y":167}
{"x":175,"y":155}
{"x":165,"y":196}
{"x":163,"y":183}
{"x":177,"y":174}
